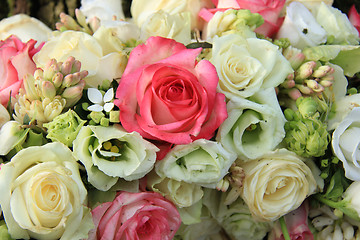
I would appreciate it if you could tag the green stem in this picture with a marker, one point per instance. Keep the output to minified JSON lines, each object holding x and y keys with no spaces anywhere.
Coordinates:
{"x":340,"y":205}
{"x":284,"y":228}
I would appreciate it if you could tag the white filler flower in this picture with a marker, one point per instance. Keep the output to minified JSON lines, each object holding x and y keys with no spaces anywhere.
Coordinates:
{"x":101,"y":102}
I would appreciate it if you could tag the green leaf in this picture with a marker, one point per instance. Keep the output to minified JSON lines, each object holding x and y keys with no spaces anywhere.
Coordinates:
{"x":335,"y":188}
{"x":199,"y":45}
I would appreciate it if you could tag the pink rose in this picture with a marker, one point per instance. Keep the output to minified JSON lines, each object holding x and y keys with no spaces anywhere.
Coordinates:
{"x":268,"y":9}
{"x":354,"y":17}
{"x":144,"y":215}
{"x":296,"y":223}
{"x":15,"y":62}
{"x":165,"y":94}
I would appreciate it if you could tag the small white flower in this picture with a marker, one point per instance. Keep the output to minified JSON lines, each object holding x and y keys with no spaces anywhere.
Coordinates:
{"x":101,"y":102}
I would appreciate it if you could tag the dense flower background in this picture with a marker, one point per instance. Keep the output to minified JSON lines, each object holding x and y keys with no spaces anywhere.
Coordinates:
{"x":191,"y":119}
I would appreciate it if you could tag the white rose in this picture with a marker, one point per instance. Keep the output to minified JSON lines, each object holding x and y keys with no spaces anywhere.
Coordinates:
{"x":104,"y":10}
{"x":176,"y":26}
{"x":337,"y":25}
{"x":254,"y":126}
{"x":247,"y":65}
{"x":110,"y":153}
{"x":201,"y":162}
{"x":141,"y":9}
{"x":301,"y":27}
{"x":25,"y":28}
{"x":275,"y":184}
{"x":345,"y":142}
{"x":42,"y":195}
{"x":88,"y":51}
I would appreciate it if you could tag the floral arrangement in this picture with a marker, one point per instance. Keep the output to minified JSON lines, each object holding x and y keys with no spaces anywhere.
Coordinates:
{"x":193,"y":119}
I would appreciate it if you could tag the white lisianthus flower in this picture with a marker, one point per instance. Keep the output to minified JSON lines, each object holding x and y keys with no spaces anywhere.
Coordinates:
{"x":254,"y":126}
{"x":25,"y":28}
{"x":4,"y":115}
{"x":201,"y":162}
{"x":247,"y":65}
{"x":235,"y":218}
{"x":141,"y":9}
{"x":176,"y":26}
{"x":301,"y":27}
{"x":104,"y":10}
{"x":182,"y":194}
{"x":11,"y":134}
{"x":275,"y":184}
{"x":42,"y":195}
{"x":337,"y":25}
{"x":312,"y":5}
{"x":345,"y":142}
{"x":88,"y":51}
{"x":110,"y":153}
{"x":342,"y":108}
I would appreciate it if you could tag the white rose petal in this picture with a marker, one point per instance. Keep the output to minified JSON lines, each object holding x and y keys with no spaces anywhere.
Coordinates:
{"x":345,"y":144}
{"x":25,"y":28}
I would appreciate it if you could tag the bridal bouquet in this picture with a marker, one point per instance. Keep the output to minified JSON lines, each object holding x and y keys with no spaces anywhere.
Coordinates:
{"x":193,"y":119}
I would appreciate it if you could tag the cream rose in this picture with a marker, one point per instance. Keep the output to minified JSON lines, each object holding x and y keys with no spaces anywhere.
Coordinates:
{"x":25,"y":28}
{"x":42,"y":195}
{"x":88,"y":51}
{"x":141,"y":9}
{"x":276,"y":183}
{"x":176,"y":26}
{"x":247,"y":65}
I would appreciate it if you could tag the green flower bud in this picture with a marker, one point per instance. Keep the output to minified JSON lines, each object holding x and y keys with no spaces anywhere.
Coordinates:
{"x":294,"y":56}
{"x":114,"y":116}
{"x":48,"y":89}
{"x":305,"y":70}
{"x":64,"y":128}
{"x":307,"y":137}
{"x":253,"y":20}
{"x":307,"y":106}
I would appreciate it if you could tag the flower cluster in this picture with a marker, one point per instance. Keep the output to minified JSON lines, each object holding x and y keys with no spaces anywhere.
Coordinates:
{"x":193,"y":119}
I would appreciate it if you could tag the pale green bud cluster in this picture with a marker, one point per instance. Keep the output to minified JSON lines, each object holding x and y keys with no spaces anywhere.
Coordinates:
{"x":78,"y":24}
{"x":50,"y":90}
{"x":306,"y":135}
{"x":309,"y":79}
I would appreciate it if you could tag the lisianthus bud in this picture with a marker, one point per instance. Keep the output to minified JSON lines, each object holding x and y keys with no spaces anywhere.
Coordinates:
{"x":305,"y":136}
{"x":307,"y":106}
{"x":64,"y":128}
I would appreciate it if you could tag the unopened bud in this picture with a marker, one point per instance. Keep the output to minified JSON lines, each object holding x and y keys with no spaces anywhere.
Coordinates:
{"x":57,"y":79}
{"x":305,"y":70}
{"x":294,"y":56}
{"x":304,"y":89}
{"x":48,"y":89}
{"x":322,"y":71}
{"x":326,"y":83}
{"x":67,"y":65}
{"x":29,"y":85}
{"x":223,"y":185}
{"x":73,"y":94}
{"x":294,"y":93}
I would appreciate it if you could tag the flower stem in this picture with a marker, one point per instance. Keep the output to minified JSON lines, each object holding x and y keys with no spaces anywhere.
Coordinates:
{"x":284,"y":228}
